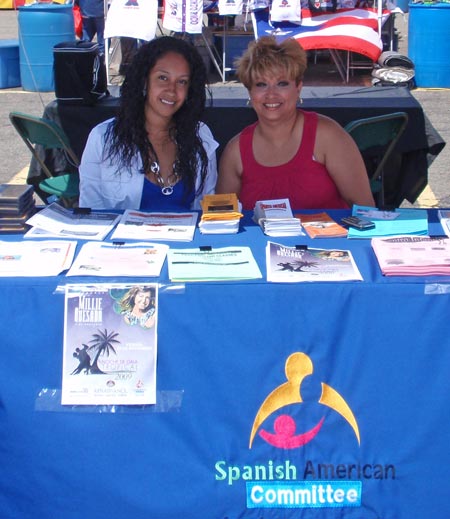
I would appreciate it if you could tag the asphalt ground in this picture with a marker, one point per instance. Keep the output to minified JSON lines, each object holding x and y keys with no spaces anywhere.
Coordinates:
{"x":15,"y":156}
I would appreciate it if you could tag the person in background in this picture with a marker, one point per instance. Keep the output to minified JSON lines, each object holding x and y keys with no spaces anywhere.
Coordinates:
{"x":93,"y":18}
{"x":156,"y":154}
{"x":128,"y":49}
{"x":289,"y":153}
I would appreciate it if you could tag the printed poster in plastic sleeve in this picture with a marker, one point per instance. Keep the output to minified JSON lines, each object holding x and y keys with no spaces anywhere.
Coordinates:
{"x":110,"y":344}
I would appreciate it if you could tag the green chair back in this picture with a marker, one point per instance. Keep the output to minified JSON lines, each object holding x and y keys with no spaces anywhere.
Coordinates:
{"x":41,"y":133}
{"x":63,"y":186}
{"x":376,"y":138}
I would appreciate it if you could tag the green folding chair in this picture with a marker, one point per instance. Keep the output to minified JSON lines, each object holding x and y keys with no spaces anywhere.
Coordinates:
{"x":376,"y":138}
{"x":38,"y":132}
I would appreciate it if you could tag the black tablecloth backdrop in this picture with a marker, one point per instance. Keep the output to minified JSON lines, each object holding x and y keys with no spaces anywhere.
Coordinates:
{"x":406,"y":175}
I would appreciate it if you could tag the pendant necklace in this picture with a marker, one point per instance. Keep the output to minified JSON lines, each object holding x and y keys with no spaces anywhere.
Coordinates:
{"x":166,"y":189}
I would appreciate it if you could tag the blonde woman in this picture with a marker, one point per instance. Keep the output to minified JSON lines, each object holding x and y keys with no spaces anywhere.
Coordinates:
{"x":288,"y":152}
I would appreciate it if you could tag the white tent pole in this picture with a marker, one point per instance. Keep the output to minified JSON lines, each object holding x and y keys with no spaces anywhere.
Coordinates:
{"x":380,"y":15}
{"x":105,"y":13}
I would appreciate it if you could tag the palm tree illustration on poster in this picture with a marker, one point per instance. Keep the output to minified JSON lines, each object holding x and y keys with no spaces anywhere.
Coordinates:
{"x":102,"y":343}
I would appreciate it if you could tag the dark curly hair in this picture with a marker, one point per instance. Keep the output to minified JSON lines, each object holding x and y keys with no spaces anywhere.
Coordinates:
{"x":127,"y":136}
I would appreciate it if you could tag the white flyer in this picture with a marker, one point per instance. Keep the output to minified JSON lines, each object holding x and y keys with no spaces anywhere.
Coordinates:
{"x":41,"y":258}
{"x":125,"y":259}
{"x":140,"y":225}
{"x":66,"y":223}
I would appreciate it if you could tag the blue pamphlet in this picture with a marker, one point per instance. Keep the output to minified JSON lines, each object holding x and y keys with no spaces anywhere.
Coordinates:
{"x":390,"y":223}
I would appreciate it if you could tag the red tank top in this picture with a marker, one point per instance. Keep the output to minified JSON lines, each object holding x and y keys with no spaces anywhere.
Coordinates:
{"x":304,"y":181}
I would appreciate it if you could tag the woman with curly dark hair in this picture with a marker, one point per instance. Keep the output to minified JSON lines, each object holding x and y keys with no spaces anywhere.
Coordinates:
{"x":156,"y":154}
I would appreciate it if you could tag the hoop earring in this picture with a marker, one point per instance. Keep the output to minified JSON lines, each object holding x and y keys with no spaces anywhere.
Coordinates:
{"x":300,"y":101}
{"x":249,"y":102}
{"x":144,"y":92}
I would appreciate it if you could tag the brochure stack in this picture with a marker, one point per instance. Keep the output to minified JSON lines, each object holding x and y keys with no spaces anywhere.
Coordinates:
{"x":16,"y":206}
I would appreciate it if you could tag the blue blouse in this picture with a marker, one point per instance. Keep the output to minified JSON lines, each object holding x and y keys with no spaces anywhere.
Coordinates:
{"x":154,"y":200}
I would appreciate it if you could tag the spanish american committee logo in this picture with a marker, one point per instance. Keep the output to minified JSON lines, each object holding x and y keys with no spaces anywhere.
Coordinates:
{"x":278,"y":485}
{"x":298,"y":366}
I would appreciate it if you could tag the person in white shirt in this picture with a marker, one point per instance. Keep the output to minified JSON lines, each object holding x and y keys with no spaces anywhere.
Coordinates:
{"x":156,"y":154}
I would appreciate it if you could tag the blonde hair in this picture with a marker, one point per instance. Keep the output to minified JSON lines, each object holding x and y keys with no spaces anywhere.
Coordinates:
{"x":265,"y":56}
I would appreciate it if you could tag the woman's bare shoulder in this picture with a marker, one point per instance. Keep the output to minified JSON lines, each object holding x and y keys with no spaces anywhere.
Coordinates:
{"x":328,"y":124}
{"x":329,"y":129}
{"x":234,"y":141}
{"x":231,"y":149}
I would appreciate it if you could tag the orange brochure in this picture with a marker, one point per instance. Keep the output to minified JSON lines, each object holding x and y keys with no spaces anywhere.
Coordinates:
{"x":321,"y":225}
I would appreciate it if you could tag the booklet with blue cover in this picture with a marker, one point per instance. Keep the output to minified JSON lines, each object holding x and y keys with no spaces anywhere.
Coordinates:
{"x":390,"y":223}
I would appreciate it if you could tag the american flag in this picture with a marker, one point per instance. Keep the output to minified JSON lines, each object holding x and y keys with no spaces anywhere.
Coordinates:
{"x":355,"y":30}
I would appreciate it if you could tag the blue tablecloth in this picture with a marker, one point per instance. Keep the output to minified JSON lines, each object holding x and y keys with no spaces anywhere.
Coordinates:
{"x":370,"y":360}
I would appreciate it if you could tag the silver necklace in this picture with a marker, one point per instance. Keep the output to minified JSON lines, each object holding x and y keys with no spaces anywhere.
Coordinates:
{"x":166,"y":189}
